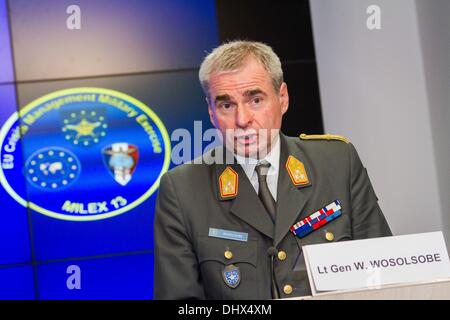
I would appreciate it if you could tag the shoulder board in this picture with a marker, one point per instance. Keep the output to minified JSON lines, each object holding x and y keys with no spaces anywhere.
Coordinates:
{"x":323,"y":137}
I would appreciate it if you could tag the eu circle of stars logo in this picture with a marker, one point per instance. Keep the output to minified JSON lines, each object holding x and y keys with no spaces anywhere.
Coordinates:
{"x":52,"y":168}
{"x":84,"y":127}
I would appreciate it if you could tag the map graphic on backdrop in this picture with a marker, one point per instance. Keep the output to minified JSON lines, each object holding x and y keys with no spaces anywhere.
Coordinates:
{"x":87,"y":154}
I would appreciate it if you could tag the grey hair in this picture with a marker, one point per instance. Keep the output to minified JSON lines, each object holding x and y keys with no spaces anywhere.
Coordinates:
{"x":230,"y":56}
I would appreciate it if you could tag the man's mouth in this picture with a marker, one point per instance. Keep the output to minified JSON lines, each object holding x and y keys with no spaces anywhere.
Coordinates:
{"x":246,"y":139}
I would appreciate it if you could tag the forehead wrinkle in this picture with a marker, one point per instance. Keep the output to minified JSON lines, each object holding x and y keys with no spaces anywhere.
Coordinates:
{"x":235,"y":83}
{"x":241,"y":89}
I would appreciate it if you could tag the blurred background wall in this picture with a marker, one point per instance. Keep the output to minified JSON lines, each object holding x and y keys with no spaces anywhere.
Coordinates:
{"x":387,"y":90}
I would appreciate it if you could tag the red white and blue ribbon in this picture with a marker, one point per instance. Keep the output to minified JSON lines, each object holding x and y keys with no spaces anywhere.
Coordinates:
{"x":317,"y":219}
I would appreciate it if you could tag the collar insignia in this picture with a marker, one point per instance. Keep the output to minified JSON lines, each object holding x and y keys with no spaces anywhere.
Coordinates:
{"x":228,"y":183}
{"x":296,"y":171}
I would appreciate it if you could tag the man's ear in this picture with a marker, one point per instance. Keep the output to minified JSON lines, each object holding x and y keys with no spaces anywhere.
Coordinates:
{"x":284,"y":97}
{"x":211,"y":112}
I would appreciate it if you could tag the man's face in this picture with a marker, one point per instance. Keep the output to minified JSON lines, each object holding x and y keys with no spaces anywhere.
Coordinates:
{"x":246,"y":108}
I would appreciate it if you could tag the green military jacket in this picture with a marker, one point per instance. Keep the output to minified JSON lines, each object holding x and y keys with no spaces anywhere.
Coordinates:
{"x":191,"y":264}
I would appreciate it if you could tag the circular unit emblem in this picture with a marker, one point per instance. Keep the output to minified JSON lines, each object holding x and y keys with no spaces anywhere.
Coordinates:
{"x":84,"y":153}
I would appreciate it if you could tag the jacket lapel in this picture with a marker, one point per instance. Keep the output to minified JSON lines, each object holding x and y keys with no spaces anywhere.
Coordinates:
{"x":246,"y":204}
{"x":291,"y":199}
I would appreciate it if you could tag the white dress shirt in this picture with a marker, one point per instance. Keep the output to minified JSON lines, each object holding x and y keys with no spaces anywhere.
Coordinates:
{"x":273,"y":157}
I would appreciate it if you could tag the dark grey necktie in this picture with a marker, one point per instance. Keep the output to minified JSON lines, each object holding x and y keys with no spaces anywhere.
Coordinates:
{"x":264,"y":192}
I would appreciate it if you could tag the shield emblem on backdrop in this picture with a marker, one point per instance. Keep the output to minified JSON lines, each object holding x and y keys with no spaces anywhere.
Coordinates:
{"x":121,"y":159}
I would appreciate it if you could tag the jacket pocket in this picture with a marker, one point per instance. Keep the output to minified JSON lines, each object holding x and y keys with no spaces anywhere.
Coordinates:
{"x":334,"y":231}
{"x":215,"y":254}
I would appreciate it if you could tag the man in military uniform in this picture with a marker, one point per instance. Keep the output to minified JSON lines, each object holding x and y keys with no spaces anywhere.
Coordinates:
{"x":235,"y":230}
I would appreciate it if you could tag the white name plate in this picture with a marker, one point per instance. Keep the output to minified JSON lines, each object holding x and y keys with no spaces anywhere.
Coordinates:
{"x":372,"y":263}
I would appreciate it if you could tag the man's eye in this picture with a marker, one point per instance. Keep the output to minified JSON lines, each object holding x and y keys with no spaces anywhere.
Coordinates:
{"x":256,"y":100}
{"x":226,"y":105}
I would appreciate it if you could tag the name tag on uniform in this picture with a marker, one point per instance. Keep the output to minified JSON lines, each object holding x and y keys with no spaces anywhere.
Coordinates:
{"x":228,"y":234}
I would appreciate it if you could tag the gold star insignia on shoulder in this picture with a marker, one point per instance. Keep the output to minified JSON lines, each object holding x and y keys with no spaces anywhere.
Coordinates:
{"x":296,"y":171}
{"x":323,"y":137}
{"x":228,"y":183}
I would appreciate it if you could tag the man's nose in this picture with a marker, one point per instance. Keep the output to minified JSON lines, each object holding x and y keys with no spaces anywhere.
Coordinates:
{"x":244,"y":117}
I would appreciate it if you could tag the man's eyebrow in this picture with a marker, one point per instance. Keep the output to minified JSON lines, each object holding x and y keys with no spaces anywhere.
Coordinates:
{"x":223,"y":97}
{"x":253,"y":92}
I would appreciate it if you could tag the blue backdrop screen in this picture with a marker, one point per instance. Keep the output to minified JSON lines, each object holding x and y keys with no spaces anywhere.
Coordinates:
{"x":83,"y":144}
{"x":14,"y":229}
{"x":6,"y":65}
